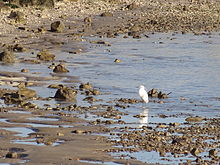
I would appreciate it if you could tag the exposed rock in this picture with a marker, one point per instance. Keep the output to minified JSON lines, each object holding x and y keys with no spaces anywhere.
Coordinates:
{"x":117,"y":60}
{"x":12,"y":155}
{"x":45,"y":55}
{"x":27,"y":93}
{"x":17,"y":16}
{"x":16,"y":48}
{"x":106,"y":14}
{"x":132,"y":6}
{"x":56,"y":86}
{"x":85,"y":86}
{"x":195,"y":151}
{"x":194,"y":119}
{"x":88,"y":20}
{"x":79,"y":131}
{"x":154,"y":93}
{"x":7,"y":57}
{"x":60,"y":68}
{"x":65,"y":93}
{"x":24,"y":70}
{"x":213,"y":152}
{"x":57,"y":26}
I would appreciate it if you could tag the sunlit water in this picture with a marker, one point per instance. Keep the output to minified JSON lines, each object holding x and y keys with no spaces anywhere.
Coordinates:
{"x":186,"y":65}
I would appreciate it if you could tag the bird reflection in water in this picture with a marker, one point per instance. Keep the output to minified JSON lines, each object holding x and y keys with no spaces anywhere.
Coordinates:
{"x":144,"y":117}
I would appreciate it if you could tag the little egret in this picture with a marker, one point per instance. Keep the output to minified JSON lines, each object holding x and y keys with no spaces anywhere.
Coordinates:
{"x":143,"y":94}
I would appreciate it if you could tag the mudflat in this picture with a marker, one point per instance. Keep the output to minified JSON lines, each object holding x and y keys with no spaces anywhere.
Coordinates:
{"x":39,"y":133}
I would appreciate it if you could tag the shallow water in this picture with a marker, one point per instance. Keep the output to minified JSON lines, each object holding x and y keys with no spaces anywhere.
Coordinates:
{"x":186,"y":65}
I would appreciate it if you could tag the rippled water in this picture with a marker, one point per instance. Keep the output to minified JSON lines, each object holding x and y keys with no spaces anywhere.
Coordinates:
{"x":186,"y":65}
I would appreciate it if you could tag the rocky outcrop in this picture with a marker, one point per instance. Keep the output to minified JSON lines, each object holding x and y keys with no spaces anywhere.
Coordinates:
{"x":7,"y":57}
{"x":45,"y":55}
{"x":65,"y":93}
{"x":60,"y":68}
{"x":57,"y":26}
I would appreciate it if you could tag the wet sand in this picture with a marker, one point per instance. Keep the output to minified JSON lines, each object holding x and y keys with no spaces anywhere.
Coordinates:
{"x":82,"y":19}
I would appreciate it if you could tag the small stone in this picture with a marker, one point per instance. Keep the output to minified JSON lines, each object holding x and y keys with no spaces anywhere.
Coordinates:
{"x":12,"y":155}
{"x":65,"y":93}
{"x":48,"y":143}
{"x":60,"y":68}
{"x":24,"y":70}
{"x":195,"y":151}
{"x":85,"y":86}
{"x":17,"y":16}
{"x":88,"y":20}
{"x":194,"y":119}
{"x":45,"y":55}
{"x":213,"y":152}
{"x":78,"y":131}
{"x":132,"y":6}
{"x":27,"y":93}
{"x":60,"y":134}
{"x":57,"y":26}
{"x":106,"y":14}
{"x":117,"y":60}
{"x":7,"y":57}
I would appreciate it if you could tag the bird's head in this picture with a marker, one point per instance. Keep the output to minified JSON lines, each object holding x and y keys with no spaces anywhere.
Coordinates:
{"x":141,"y":86}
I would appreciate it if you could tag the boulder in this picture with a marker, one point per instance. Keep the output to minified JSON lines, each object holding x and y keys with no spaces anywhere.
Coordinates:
{"x":106,"y":14}
{"x":17,"y":16}
{"x":7,"y":57}
{"x":65,"y":93}
{"x":45,"y":55}
{"x":60,"y":68}
{"x":57,"y":26}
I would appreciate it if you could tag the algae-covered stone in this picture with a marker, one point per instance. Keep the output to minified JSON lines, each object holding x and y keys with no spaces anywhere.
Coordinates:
{"x":27,"y":93}
{"x":65,"y":93}
{"x":17,"y":16}
{"x":45,"y":55}
{"x":60,"y":68}
{"x":106,"y":14}
{"x":12,"y":155}
{"x":7,"y":57}
{"x":57,"y":26}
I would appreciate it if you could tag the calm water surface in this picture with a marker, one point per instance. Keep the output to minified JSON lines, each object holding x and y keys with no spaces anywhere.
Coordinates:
{"x":186,"y":65}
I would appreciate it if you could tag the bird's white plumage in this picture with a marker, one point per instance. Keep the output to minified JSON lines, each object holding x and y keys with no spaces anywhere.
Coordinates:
{"x":143,"y":94}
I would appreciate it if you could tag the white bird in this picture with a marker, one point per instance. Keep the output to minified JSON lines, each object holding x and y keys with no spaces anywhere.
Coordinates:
{"x":143,"y":94}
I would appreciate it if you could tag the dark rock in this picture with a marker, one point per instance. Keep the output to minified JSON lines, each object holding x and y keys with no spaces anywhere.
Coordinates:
{"x":106,"y":14}
{"x":65,"y":93}
{"x":60,"y":68}
{"x":195,"y":151}
{"x":88,"y":20}
{"x":45,"y":55}
{"x":16,"y":48}
{"x":12,"y":98}
{"x":132,"y":6}
{"x":85,"y":86}
{"x":12,"y":155}
{"x":27,"y":93}
{"x":7,"y":57}
{"x":17,"y":16}
{"x":117,"y":60}
{"x":24,"y":70}
{"x":213,"y":153}
{"x":57,"y":26}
